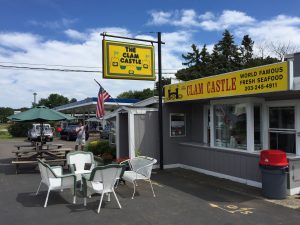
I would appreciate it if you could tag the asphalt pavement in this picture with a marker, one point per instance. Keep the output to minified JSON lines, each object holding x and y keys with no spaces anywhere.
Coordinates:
{"x":183,"y":197}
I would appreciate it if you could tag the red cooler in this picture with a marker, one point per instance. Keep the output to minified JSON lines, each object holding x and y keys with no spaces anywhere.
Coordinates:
{"x":274,"y":168}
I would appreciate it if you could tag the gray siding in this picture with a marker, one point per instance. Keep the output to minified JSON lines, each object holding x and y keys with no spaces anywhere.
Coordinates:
{"x":123,"y":135}
{"x":297,"y":64}
{"x":171,"y":144}
{"x":232,"y":163}
{"x":146,"y":140}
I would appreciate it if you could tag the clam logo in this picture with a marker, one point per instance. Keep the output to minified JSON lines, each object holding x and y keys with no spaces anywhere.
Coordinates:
{"x":173,"y":95}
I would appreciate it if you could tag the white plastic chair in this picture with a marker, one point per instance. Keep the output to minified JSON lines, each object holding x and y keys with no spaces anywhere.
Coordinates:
{"x":77,"y":161}
{"x":102,"y":180}
{"x":53,"y":178}
{"x":141,"y":168}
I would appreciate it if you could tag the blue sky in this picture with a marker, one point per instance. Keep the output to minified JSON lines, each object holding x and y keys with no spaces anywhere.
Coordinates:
{"x":65,"y":32}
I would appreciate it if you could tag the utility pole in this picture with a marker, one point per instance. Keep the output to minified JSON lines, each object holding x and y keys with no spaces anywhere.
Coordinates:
{"x":160,"y":113}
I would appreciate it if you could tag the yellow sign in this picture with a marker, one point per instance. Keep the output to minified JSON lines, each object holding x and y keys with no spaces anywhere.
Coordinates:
{"x":128,"y":61}
{"x":269,"y":78}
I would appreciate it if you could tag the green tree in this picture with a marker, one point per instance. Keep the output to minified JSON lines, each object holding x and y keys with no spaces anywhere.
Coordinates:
{"x":192,"y":58}
{"x":144,"y":94}
{"x":164,"y":81}
{"x":199,"y":63}
{"x":225,"y":56}
{"x":5,"y":112}
{"x":205,"y":67}
{"x":246,"y":51}
{"x":73,"y":100}
{"x":54,"y":100}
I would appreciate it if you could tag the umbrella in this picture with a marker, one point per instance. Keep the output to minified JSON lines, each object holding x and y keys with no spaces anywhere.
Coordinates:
{"x":40,"y":114}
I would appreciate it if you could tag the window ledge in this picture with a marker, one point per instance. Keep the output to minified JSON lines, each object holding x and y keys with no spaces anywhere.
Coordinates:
{"x":230,"y":150}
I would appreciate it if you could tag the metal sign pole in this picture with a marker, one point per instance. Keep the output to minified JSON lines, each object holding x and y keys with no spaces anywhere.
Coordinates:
{"x":160,"y":86}
{"x":160,"y":113}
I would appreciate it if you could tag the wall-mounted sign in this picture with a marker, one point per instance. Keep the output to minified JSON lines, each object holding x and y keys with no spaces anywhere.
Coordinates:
{"x":269,"y":78}
{"x":128,"y":61}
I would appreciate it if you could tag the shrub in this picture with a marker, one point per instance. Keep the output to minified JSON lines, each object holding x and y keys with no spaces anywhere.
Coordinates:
{"x":100,"y":148}
{"x":19,"y":129}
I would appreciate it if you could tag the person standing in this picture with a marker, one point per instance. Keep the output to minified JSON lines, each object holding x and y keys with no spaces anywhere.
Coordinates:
{"x":80,"y":140}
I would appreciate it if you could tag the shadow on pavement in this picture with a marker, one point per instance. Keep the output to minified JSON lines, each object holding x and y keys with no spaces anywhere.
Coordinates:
{"x":205,"y":187}
{"x":29,"y":199}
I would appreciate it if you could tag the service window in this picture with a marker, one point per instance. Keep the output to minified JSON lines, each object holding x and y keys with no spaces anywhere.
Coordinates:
{"x":230,"y":126}
{"x":177,"y":125}
{"x":282,"y":132}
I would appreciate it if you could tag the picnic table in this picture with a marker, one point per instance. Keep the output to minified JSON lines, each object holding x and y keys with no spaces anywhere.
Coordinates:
{"x":30,"y":145}
{"x":30,"y":156}
{"x":37,"y":145}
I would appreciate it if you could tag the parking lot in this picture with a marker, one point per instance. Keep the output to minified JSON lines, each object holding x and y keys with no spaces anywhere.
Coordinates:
{"x":183,"y":197}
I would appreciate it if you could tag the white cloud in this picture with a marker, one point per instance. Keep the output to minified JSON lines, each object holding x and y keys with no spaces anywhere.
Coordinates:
{"x":24,"y":41}
{"x":228,"y":19}
{"x":188,"y":18}
{"x":207,"y":16}
{"x":17,"y":86}
{"x":56,"y":24}
{"x":159,"y":18}
{"x":281,"y":29}
{"x":76,"y":35}
{"x":207,"y":21}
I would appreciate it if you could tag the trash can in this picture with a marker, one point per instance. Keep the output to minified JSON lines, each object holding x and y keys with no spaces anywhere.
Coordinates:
{"x":274,"y":168}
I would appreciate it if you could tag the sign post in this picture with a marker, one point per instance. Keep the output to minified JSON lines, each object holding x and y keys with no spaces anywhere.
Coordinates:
{"x":160,"y":113}
{"x":135,"y":62}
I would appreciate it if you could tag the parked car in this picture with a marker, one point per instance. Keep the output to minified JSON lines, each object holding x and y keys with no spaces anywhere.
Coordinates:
{"x":69,"y":132}
{"x":105,"y":132}
{"x":34,"y":134}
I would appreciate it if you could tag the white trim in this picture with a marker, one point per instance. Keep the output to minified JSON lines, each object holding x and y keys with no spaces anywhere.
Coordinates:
{"x":250,"y":127}
{"x":291,"y":74}
{"x":118,"y":136}
{"x":205,"y":123}
{"x":172,"y":166}
{"x":297,"y":127}
{"x":294,"y":191}
{"x":285,"y":103}
{"x":215,"y":174}
{"x":212,"y":129}
{"x":131,"y":135}
{"x":265,"y":126}
{"x":147,"y":102}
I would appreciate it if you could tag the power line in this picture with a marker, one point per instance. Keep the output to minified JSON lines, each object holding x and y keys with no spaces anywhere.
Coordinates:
{"x":49,"y":69}
{"x":57,"y":69}
{"x":39,"y":64}
{"x":36,"y":64}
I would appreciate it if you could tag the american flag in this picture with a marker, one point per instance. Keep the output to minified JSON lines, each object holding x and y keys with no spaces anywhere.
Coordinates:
{"x":102,"y":97}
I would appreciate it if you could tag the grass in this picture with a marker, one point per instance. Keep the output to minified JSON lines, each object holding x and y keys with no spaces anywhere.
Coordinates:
{"x":3,"y":132}
{"x":5,"y":136}
{"x":3,"y":126}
